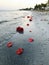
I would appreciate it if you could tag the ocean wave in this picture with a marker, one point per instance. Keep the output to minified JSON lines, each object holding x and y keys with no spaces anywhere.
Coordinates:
{"x":19,"y":17}
{"x":3,"y":21}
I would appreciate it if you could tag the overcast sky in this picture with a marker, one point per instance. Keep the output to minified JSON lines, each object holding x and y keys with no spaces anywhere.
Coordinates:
{"x":16,"y":4}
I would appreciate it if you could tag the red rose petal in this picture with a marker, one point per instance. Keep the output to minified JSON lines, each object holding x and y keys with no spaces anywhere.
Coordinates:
{"x":28,"y":16}
{"x":19,"y":29}
{"x":30,"y":19}
{"x":30,"y":31}
{"x":30,"y":40}
{"x":27,"y":24}
{"x":9,"y":44}
{"x":19,"y":51}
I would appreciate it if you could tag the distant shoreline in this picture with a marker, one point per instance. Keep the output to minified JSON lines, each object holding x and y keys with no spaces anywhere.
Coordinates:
{"x":42,"y":10}
{"x":26,"y":10}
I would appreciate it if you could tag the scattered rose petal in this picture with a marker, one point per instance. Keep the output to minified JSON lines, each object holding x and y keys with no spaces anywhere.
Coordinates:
{"x":20,"y":29}
{"x":19,"y":51}
{"x":30,"y":39}
{"x":27,"y":24}
{"x":9,"y":44}
{"x":28,"y":16}
{"x":30,"y":19}
{"x":30,"y":31}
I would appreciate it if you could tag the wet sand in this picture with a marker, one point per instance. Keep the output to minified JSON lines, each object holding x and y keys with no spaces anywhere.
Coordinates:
{"x":35,"y":53}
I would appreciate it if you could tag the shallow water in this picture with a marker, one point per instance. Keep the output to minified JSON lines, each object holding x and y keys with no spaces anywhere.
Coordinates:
{"x":35,"y":53}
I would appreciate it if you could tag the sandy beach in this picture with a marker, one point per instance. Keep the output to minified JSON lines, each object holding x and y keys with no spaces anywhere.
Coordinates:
{"x":35,"y":53}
